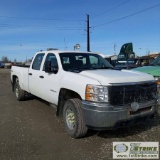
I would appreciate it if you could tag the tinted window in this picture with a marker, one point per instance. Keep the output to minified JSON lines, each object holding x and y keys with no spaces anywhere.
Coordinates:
{"x":156,"y":62}
{"x":52,"y":58}
{"x":83,"y":61}
{"x":37,"y":61}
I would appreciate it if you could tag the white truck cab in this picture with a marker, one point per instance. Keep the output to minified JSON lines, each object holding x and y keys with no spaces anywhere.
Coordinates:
{"x":86,"y":90}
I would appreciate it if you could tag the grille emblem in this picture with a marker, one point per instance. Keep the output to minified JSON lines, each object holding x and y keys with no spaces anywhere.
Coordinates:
{"x":134,"y":106}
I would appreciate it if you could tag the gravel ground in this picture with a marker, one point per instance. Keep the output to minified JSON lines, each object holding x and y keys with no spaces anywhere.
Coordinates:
{"x":29,"y":130}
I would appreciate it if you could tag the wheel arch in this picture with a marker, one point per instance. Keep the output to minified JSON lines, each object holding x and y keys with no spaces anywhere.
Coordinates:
{"x":14,"y":80}
{"x":64,"y":95}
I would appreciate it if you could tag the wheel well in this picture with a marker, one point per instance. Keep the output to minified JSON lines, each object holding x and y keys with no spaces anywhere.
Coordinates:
{"x":64,"y":95}
{"x":14,"y":80}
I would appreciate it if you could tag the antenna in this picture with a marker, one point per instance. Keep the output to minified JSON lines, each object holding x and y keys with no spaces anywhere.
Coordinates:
{"x":65,"y":46}
{"x":115,"y":48}
{"x":88,"y":34}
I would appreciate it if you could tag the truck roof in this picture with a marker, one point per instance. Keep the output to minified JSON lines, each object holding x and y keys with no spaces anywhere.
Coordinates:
{"x":65,"y":51}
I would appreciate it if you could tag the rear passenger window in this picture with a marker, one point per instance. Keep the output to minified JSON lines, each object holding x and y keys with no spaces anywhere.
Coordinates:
{"x":37,"y":61}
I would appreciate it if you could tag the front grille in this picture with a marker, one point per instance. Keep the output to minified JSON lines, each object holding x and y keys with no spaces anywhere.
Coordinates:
{"x":126,"y":94}
{"x":141,"y":110}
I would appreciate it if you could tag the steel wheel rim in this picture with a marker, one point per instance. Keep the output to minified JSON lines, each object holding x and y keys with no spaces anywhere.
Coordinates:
{"x":70,"y":119}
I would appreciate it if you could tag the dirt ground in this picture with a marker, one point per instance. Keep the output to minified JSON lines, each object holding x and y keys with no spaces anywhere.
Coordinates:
{"x":30,"y":130}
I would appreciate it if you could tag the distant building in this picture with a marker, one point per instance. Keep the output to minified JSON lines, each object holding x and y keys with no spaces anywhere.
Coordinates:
{"x":154,"y":54}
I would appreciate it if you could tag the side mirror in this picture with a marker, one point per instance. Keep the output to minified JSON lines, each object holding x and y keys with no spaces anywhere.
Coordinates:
{"x":49,"y":68}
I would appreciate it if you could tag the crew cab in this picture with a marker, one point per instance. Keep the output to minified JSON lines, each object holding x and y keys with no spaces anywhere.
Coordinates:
{"x":86,"y":90}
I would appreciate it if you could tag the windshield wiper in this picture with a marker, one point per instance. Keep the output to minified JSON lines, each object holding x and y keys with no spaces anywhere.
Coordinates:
{"x":76,"y":70}
{"x":87,"y":68}
{"x":104,"y":68}
{"x":80,"y":69}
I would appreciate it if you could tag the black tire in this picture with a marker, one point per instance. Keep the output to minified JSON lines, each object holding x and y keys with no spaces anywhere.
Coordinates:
{"x":72,"y":111}
{"x":20,"y":94}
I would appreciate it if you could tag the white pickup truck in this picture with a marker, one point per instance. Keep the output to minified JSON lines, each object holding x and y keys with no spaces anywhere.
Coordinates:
{"x":87,"y":91}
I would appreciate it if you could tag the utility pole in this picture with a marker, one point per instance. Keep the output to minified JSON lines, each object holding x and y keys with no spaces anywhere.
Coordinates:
{"x":88,"y":34}
{"x":115,"y":48}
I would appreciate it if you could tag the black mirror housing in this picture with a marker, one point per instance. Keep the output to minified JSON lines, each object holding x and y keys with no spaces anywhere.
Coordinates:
{"x":49,"y":68}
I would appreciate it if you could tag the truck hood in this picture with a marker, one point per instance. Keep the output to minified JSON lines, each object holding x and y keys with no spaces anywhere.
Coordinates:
{"x":115,"y":76}
{"x":153,"y":70}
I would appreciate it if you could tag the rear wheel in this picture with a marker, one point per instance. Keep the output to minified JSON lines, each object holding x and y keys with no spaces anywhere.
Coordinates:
{"x":20,"y":94}
{"x":74,"y":119}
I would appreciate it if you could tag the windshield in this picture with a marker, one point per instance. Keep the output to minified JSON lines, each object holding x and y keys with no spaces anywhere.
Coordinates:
{"x":78,"y":62}
{"x":131,"y":61}
{"x":156,"y":62}
{"x":122,"y":57}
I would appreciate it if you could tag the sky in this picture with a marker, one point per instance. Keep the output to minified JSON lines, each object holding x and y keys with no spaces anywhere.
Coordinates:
{"x":33,"y":25}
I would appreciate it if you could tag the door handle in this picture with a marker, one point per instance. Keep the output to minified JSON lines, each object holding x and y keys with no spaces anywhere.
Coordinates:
{"x":30,"y":74}
{"x":41,"y":77}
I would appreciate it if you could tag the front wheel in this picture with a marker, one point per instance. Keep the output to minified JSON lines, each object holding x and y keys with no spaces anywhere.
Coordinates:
{"x":20,"y":94}
{"x":73,"y":118}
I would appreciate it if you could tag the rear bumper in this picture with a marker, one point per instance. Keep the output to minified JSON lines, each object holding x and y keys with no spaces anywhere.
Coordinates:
{"x":104,"y":116}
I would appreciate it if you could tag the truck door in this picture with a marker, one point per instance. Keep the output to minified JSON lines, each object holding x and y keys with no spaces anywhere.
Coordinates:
{"x":51,"y":80}
{"x":35,"y":77}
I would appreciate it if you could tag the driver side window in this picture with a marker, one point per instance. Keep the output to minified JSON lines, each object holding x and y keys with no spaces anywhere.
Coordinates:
{"x":95,"y":62}
{"x":52,"y":58}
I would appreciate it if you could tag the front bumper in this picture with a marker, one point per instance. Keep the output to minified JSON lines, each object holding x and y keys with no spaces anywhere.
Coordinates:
{"x":105,"y":116}
{"x":158,"y":103}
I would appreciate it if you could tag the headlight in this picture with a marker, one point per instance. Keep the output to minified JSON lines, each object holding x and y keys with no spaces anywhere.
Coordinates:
{"x":158,"y":84}
{"x":96,"y":93}
{"x":157,"y":80}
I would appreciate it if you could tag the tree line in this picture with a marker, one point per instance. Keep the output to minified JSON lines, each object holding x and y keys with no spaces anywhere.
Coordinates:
{"x":5,"y":59}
